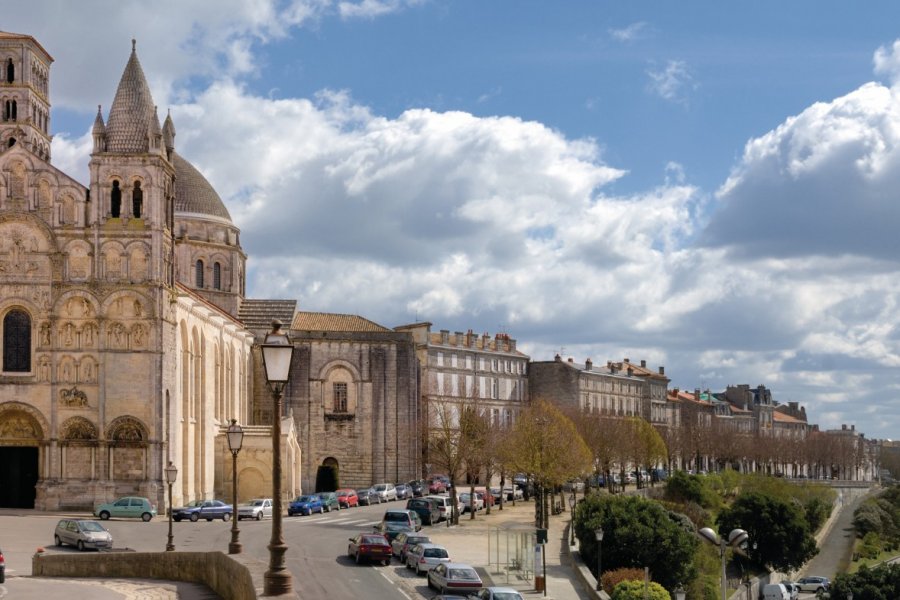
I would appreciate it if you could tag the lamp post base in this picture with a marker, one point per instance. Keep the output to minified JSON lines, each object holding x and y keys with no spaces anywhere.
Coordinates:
{"x":277,"y":580}
{"x":235,"y":548}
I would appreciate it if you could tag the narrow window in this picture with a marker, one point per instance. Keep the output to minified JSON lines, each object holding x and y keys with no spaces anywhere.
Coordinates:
{"x":13,"y":116}
{"x":115,"y":200}
{"x":12,"y":142}
{"x":17,"y":342}
{"x":340,"y":397}
{"x":217,"y":276}
{"x":137,"y":200}
{"x":198,"y":268}
{"x":10,"y":71}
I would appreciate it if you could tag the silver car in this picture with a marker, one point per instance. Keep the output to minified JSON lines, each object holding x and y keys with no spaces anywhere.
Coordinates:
{"x":423,"y":557}
{"x":83,"y":534}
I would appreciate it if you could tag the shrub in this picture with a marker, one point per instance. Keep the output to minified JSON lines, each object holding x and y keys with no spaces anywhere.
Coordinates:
{"x":634,"y":590}
{"x":613,"y":578}
{"x":681,"y":487}
{"x":816,"y":511}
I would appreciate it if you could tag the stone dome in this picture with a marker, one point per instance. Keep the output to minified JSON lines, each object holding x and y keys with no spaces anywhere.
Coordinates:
{"x":193,"y":193}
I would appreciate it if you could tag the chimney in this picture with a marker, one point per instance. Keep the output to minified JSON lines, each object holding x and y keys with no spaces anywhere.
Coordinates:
{"x":557,"y":358}
{"x":696,"y":393}
{"x":588,"y":364}
{"x":571,"y":360}
{"x":676,"y":390}
{"x":630,"y":371}
{"x":485,"y":341}
{"x":853,"y":428}
{"x":662,"y":370}
{"x":643,"y":363}
{"x":627,"y":360}
{"x":459,"y":338}
{"x":512,"y":345}
{"x":445,"y":336}
{"x":843,"y":427}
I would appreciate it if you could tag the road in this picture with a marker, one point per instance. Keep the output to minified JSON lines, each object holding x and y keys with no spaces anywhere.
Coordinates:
{"x":317,"y":553}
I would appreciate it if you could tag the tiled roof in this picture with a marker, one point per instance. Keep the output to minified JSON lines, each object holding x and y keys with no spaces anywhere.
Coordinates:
{"x":193,"y":193}
{"x":481,"y":343}
{"x":131,"y":112}
{"x":7,"y":35}
{"x":783,"y":418}
{"x":316,"y":321}
{"x":259,"y":314}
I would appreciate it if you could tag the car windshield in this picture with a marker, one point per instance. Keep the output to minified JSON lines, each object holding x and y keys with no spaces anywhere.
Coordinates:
{"x":374,"y":539}
{"x":90,"y":526}
{"x":507,"y":596}
{"x":194,"y":503}
{"x":397,"y":517}
{"x":307,"y":498}
{"x":435,"y":553}
{"x":257,"y":503}
{"x":463,"y":574}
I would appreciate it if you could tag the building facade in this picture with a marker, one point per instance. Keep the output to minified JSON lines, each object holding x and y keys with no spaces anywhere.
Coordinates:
{"x":118,"y":355}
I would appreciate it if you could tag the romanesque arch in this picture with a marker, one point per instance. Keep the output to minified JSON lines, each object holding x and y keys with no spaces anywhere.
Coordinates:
{"x":128,"y":440}
{"x":78,"y":448}
{"x":22,"y":433}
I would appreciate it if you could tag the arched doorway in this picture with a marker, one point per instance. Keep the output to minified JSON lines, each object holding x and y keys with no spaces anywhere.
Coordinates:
{"x":20,"y":438}
{"x":328,"y":476}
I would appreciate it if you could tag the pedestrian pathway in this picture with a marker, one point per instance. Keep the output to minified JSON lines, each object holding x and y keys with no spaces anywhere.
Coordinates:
{"x":836,"y":546}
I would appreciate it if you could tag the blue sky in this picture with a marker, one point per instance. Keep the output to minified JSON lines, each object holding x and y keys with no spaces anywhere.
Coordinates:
{"x":707,"y":186}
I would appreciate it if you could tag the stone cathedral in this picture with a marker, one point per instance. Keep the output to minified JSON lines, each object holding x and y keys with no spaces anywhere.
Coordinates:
{"x":118,"y":307}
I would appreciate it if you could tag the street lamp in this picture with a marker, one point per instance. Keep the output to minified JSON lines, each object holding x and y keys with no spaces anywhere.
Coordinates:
{"x":171,"y":473}
{"x":598,"y":533}
{"x":736,"y":538}
{"x":680,"y":593}
{"x":235,"y":436}
{"x":850,"y":595}
{"x":572,"y":519}
{"x":277,"y":352}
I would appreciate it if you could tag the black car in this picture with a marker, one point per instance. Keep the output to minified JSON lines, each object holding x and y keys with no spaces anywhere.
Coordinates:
{"x":367,"y":497}
{"x":418,"y":488}
{"x":427,"y":510}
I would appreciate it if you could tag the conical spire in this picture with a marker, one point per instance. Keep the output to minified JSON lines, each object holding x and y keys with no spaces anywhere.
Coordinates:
{"x":99,"y":127}
{"x":132,"y":113}
{"x":169,"y":132}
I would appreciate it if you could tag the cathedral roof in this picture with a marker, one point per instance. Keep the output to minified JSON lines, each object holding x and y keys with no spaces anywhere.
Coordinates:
{"x":7,"y":35}
{"x":316,"y":321}
{"x":193,"y":193}
{"x":259,"y":314}
{"x":132,"y":112}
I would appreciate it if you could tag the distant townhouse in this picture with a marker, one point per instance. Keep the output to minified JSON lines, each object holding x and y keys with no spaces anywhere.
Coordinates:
{"x":615,"y":389}
{"x":465,"y":369}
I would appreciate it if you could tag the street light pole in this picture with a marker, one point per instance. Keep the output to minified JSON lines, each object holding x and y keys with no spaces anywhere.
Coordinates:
{"x":235,"y":435}
{"x":171,"y":473}
{"x":572,"y":517}
{"x":277,"y":352}
{"x":736,"y":538}
{"x":598,"y":533}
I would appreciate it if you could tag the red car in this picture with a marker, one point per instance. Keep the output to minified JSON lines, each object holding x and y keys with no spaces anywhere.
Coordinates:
{"x":371,"y":547}
{"x":437,"y":485}
{"x":347,"y":498}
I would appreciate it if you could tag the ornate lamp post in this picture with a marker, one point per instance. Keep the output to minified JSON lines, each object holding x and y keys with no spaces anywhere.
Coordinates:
{"x":680,"y":593}
{"x":572,"y":520}
{"x":171,"y":473}
{"x":736,"y":538}
{"x":598,"y":533}
{"x":235,"y":435}
{"x":277,"y":353}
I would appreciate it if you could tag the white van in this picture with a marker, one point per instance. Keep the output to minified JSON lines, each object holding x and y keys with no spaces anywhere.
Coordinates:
{"x":443,"y":504}
{"x":775,"y":591}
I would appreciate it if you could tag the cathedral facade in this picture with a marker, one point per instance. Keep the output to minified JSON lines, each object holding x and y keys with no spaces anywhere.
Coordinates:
{"x":122,"y":350}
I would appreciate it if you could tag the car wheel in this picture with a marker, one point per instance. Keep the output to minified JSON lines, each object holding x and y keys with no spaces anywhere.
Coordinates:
{"x":259,"y":516}
{"x":104,"y":516}
{"x":146,"y":517}
{"x":430,"y":585}
{"x":385,"y":563}
{"x":57,"y":541}
{"x":195,"y":517}
{"x":226,"y":517}
{"x":80,"y":546}
{"x":176,"y":519}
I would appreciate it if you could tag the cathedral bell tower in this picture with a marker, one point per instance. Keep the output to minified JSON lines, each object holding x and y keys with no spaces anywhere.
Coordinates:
{"x":132,"y":179}
{"x":24,"y":94}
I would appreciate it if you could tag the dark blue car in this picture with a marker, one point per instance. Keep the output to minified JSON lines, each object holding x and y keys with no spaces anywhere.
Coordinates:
{"x":306,"y":505}
{"x":203,"y":509}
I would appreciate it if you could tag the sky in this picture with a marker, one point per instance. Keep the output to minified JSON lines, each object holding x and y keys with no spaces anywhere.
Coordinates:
{"x":710,"y":187}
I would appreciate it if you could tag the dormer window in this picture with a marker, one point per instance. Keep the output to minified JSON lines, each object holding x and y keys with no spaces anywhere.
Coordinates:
{"x":115,"y":200}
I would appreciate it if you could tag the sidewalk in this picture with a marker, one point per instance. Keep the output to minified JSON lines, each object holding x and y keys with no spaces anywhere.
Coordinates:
{"x":470,"y":542}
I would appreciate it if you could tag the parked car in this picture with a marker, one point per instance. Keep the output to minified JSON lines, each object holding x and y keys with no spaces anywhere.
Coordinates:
{"x":513,"y":493}
{"x":456,"y":577}
{"x":792,"y":588}
{"x":392,"y":529}
{"x":425,"y":556}
{"x":403,"y":491}
{"x":401,"y":515}
{"x":371,"y":547}
{"x":497,"y":593}
{"x":329,"y":501}
{"x":306,"y":505}
{"x":347,"y":498}
{"x":255,"y":509}
{"x":2,"y":567}
{"x":437,"y":485}
{"x":82,"y":533}
{"x":813,"y":584}
{"x":385,"y":491}
{"x":367,"y":497}
{"x":467,"y":502}
{"x":444,"y":506}
{"x":775,"y":591}
{"x":127,"y":507}
{"x":418,"y":488}
{"x":203,"y":509}
{"x":404,"y":541}
{"x":426,"y":508}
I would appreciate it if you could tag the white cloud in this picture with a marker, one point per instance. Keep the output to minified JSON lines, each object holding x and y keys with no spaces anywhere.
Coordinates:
{"x":368,"y":9}
{"x":671,"y":82}
{"x":887,"y":61}
{"x":629,"y":33}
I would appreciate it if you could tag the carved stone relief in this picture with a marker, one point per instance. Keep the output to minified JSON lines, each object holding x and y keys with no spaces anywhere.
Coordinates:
{"x":78,"y":428}
{"x":73,"y":398}
{"x":18,"y":253}
{"x":88,"y":335}
{"x":79,"y":263}
{"x":87,"y":370}
{"x":117,"y":336}
{"x":126,"y":429}
{"x":67,"y":370}
{"x":138,"y":336}
{"x":138,"y":265}
{"x":44,"y":368}
{"x":17,"y":426}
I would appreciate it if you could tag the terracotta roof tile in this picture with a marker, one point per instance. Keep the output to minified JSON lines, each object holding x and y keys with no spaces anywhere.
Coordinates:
{"x":316,"y":321}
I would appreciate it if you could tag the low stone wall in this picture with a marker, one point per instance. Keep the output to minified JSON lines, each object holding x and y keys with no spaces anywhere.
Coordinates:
{"x":233,"y":577}
{"x":582,"y":573}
